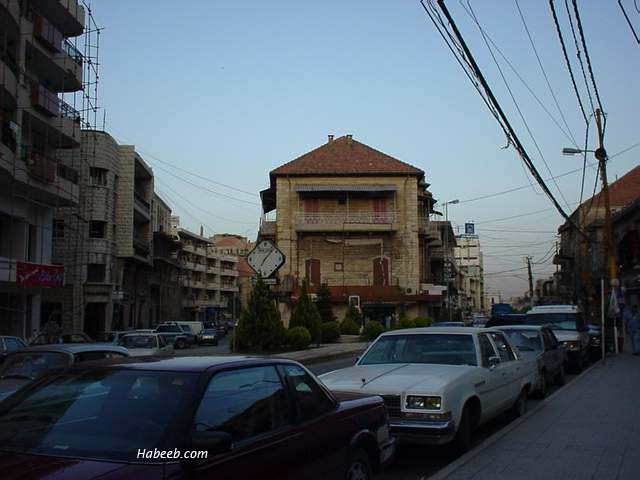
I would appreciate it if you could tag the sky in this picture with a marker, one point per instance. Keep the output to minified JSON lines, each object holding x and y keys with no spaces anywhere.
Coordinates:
{"x":215,"y":94}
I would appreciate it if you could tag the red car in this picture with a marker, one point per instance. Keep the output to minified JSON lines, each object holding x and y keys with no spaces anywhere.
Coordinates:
{"x":141,"y":418}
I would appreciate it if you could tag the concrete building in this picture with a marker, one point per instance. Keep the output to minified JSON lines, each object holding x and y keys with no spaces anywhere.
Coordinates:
{"x":209,"y":279}
{"x":582,"y":263}
{"x":231,"y":244}
{"x":105,"y":241}
{"x":468,"y":256}
{"x":356,"y":219}
{"x":37,"y":64}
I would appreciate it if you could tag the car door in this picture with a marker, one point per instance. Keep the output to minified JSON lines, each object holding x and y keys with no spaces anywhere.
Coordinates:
{"x":510,"y":367}
{"x":553,"y":355}
{"x":322,"y":442}
{"x":493,"y":388}
{"x":251,"y":404}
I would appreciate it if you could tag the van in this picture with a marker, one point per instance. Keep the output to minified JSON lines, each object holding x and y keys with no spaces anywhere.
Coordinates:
{"x":196,"y":327}
{"x":569,"y":326}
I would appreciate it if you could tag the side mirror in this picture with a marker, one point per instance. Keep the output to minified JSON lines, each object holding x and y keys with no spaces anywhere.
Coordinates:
{"x":493,"y":362}
{"x":214,"y":442}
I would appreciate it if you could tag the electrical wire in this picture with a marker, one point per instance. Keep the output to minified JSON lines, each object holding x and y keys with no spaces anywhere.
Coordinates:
{"x":624,"y":12}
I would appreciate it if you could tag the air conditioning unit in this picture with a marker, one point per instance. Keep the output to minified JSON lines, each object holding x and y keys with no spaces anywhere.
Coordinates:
{"x":354,"y":301}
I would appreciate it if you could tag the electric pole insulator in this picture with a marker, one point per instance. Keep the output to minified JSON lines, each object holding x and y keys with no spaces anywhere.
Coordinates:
{"x":601,"y":154}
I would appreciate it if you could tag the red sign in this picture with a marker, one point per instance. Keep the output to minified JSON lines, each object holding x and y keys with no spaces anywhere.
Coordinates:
{"x":39,"y":275}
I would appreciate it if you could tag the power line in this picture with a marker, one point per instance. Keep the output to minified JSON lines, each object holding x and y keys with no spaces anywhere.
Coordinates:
{"x":624,"y":12}
{"x":578,"y":54}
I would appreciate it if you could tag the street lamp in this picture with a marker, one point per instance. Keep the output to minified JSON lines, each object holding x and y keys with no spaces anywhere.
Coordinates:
{"x":446,"y":250}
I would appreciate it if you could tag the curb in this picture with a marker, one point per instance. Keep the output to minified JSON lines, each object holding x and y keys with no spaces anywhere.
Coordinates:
{"x":445,"y":472}
{"x":324,"y":358}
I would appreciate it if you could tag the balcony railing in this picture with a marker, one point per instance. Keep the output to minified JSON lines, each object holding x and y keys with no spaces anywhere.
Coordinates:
{"x":44,"y":100}
{"x":46,"y":33}
{"x":141,"y":247}
{"x":68,"y":111}
{"x":363,"y":218}
{"x":71,"y":50}
{"x":140,"y":201}
{"x":68,"y":173}
{"x":40,"y":166}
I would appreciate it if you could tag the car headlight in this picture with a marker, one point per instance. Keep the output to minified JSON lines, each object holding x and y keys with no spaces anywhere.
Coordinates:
{"x":419,"y":402}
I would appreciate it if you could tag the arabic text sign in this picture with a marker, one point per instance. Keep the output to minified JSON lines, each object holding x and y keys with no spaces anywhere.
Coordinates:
{"x":39,"y":275}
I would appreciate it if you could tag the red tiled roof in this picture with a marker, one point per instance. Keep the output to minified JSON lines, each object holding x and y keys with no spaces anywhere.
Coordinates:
{"x":345,"y":156}
{"x":244,"y":269}
{"x":623,"y":191}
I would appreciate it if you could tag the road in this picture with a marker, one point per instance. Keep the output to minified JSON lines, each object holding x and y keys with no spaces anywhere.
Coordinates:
{"x":410,"y":463}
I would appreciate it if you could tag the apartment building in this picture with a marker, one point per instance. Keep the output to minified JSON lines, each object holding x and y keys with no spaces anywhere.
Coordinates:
{"x":209,"y":279}
{"x":105,"y":241}
{"x":232,"y":244}
{"x":356,"y":219}
{"x":468,"y":256}
{"x":38,"y":66}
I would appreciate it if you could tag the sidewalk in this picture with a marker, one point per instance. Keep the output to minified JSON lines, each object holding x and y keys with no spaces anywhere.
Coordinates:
{"x":589,"y":429}
{"x":331,"y":351}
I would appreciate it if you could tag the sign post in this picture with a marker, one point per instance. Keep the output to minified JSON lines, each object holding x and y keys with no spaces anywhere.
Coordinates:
{"x":266,"y":258}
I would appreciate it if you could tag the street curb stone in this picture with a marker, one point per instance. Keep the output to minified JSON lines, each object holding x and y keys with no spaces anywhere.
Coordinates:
{"x":445,"y":472}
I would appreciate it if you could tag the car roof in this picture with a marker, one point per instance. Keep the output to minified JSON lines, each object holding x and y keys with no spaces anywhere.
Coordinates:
{"x":521,"y":327}
{"x":73,"y":348}
{"x":433,"y":330}
{"x":196,"y":364}
{"x":137,"y":334}
{"x":553,"y":309}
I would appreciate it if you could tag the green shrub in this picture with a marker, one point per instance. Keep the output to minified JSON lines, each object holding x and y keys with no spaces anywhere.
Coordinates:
{"x":372,"y":329}
{"x":406,"y":323}
{"x":349,"y":327}
{"x":422,"y":321}
{"x":353,"y":314}
{"x":330,"y":332}
{"x":298,"y":338}
{"x":306,"y":315}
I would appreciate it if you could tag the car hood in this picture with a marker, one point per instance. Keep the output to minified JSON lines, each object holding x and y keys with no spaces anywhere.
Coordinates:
{"x":10,"y":385}
{"x":567,"y":335}
{"x":395,"y":378}
{"x":34,"y":467}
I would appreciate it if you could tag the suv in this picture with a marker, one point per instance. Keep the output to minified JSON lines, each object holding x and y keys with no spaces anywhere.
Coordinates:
{"x":567,"y":323}
{"x":174,"y":334}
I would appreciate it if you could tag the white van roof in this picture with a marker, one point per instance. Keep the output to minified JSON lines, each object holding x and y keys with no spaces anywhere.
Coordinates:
{"x":554,"y":309}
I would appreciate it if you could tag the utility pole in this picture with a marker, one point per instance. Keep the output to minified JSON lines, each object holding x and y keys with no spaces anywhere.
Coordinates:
{"x":530,"y":280}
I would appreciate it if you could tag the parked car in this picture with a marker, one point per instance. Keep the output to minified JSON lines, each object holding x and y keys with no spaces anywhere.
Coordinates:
{"x":175,"y":335}
{"x":67,"y":337}
{"x":568,"y":325}
{"x":440,"y":384}
{"x":208,"y":336}
{"x":111,"y":337}
{"x":448,"y":324}
{"x":188,"y":333}
{"x":479,"y":321}
{"x":10,"y":344}
{"x":222,"y":329}
{"x":24,"y":366}
{"x":540,"y":345}
{"x":255,"y":418}
{"x":146,"y":344}
{"x":506,"y":319}
{"x":595,"y":342}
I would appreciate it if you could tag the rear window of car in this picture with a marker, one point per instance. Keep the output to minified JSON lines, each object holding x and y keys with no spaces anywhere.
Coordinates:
{"x":445,"y":349}
{"x":32,"y":364}
{"x":139,"y":341}
{"x":525,"y":340}
{"x":169,"y":328}
{"x":557,"y":321}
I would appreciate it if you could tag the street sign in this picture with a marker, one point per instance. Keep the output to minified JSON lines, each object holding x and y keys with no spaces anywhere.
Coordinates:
{"x":469,"y":228}
{"x":267,"y":281}
{"x":266,"y":258}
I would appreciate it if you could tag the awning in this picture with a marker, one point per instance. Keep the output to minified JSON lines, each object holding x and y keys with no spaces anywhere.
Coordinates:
{"x":346,"y":188}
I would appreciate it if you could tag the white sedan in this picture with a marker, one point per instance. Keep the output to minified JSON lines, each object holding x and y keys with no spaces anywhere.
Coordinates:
{"x":141,"y":344}
{"x":440,"y":383}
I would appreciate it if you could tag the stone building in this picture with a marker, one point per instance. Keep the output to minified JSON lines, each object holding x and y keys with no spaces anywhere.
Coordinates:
{"x":105,"y":242}
{"x":469,"y":260}
{"x":232,"y":244}
{"x":356,"y":219}
{"x":38,"y":66}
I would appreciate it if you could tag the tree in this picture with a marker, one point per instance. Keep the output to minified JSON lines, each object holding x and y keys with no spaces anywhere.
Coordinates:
{"x":323,"y":304}
{"x":260,"y":328}
{"x":306,"y":315}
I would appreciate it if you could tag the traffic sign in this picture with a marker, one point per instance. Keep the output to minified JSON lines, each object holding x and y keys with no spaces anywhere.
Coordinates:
{"x":266,"y":258}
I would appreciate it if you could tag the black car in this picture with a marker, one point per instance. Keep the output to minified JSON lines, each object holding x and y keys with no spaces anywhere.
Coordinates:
{"x":595,"y":342}
{"x":506,"y":319}
{"x":246,"y":418}
{"x":208,"y":336}
{"x":10,"y":344}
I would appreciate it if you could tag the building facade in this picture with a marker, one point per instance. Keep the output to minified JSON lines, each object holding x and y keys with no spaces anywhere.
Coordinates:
{"x":209,"y":279}
{"x":38,"y":66}
{"x":468,"y":256}
{"x":356,"y":219}
{"x":232,"y":244}
{"x":105,"y":242}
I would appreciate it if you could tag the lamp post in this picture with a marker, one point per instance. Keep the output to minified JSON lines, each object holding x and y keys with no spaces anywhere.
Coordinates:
{"x":446,"y":251}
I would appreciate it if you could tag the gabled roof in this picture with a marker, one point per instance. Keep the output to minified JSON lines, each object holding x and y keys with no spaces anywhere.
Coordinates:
{"x":346,"y":156}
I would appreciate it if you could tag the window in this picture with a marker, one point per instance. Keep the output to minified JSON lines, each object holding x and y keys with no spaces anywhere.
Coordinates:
{"x":98,"y":176}
{"x":338,"y":266}
{"x":58,"y":228}
{"x":90,"y":356}
{"x":504,"y":350}
{"x":96,"y":272}
{"x":550,"y":341}
{"x":97,"y":229}
{"x":486,"y":350}
{"x":244,"y":403}
{"x":442,"y":349}
{"x":311,"y":401}
{"x":13,"y":344}
{"x":32,"y":242}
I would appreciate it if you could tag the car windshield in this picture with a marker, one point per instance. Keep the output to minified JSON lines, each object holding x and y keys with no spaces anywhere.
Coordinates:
{"x":139,"y":341}
{"x":557,"y":321}
{"x":32,"y":364}
{"x":445,"y":349}
{"x":101,"y":414}
{"x":525,"y":340}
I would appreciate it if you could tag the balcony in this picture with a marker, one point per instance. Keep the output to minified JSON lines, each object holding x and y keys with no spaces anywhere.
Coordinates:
{"x":67,"y":15}
{"x":227,"y":272}
{"x":141,"y":207}
{"x":41,"y":167}
{"x":141,"y":248}
{"x":44,"y":100}
{"x":341,"y":222}
{"x":227,"y":287}
{"x":268,"y":229}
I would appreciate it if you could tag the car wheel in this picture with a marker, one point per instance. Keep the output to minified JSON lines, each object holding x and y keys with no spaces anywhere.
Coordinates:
{"x":180,"y":344}
{"x":520,"y":407}
{"x":560,"y":377}
{"x":462,"y":441}
{"x":359,"y":466}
